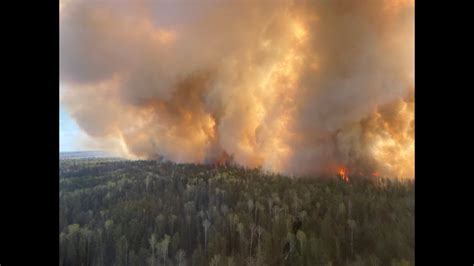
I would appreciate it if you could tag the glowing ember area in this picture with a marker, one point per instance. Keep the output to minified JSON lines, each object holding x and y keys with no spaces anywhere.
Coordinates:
{"x":295,"y":87}
{"x":223,"y":160}
{"x":343,"y":174}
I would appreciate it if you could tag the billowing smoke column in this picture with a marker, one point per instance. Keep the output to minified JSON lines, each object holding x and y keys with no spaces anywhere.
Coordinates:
{"x":298,"y":87}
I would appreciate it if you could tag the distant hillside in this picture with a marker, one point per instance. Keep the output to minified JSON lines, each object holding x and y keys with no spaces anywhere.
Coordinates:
{"x":85,"y":154}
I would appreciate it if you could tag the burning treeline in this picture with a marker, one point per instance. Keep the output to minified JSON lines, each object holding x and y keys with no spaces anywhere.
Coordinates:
{"x":298,"y":87}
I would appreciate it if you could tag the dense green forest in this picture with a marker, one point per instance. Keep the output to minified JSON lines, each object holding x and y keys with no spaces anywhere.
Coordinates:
{"x":115,"y":212}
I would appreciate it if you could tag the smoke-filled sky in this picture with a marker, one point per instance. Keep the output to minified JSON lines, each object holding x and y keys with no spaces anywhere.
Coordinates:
{"x":298,"y":87}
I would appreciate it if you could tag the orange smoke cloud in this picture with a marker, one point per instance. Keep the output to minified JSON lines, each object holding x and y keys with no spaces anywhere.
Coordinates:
{"x":291,"y":86}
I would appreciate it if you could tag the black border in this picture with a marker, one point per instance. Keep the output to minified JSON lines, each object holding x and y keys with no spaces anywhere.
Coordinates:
{"x":29,"y":218}
{"x":443,"y":178}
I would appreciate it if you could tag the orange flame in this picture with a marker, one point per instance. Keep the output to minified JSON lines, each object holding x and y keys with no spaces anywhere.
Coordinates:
{"x":343,"y":174}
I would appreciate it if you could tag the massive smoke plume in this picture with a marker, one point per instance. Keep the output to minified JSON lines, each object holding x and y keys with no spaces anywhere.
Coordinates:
{"x":298,"y":87}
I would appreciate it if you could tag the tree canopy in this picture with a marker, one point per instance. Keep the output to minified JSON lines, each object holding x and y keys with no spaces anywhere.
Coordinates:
{"x":115,"y":212}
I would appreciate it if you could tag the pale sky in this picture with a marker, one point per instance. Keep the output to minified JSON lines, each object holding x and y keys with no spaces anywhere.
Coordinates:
{"x":69,"y":132}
